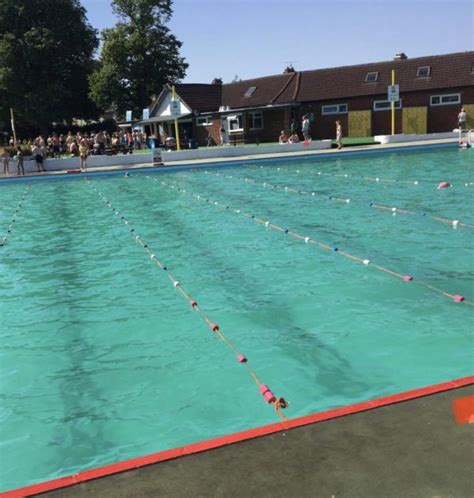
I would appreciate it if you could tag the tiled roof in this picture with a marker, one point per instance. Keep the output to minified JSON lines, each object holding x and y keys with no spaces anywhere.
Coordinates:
{"x":451,"y":70}
{"x":447,"y":71}
{"x":267,"y":89}
{"x":200,"y":96}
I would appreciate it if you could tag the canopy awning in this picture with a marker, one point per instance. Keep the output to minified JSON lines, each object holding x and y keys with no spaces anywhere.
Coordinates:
{"x":163,"y":119}
{"x":268,"y":107}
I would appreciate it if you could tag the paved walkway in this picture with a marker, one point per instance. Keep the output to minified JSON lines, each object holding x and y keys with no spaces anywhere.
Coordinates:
{"x":289,"y":155}
{"x":414,"y":449}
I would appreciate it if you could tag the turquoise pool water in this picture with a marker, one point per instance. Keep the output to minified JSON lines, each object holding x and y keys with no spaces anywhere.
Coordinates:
{"x":102,"y":360}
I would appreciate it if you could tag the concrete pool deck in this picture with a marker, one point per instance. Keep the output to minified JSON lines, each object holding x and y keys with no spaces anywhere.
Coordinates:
{"x":412,"y":445}
{"x":186,"y":164}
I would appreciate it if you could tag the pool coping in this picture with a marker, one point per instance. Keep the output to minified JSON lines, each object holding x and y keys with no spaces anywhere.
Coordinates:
{"x":234,"y":161}
{"x":202,"y":446}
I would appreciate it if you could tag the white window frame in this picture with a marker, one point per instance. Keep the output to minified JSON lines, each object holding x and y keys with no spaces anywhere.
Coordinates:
{"x":376,"y":78}
{"x":235,"y":117}
{"x":341,"y":109}
{"x":418,"y":75}
{"x":398,"y":105}
{"x":252,"y":120}
{"x":440,"y":97}
{"x":208,"y":121}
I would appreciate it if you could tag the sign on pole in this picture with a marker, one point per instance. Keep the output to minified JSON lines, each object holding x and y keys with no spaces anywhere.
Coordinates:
{"x":146,"y":114}
{"x":175,"y":109}
{"x":393,"y":93}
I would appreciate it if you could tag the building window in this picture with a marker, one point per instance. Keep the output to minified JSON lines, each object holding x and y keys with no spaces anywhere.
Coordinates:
{"x":423,"y":72}
{"x":204,"y":121}
{"x":256,"y":121}
{"x":386,"y":105}
{"x":451,"y":99}
{"x":235,"y":123}
{"x":334,"y":109}
{"x":372,"y":77}
{"x":250,"y":91}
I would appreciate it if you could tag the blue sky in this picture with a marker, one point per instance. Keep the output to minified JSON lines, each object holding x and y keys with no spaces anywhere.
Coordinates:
{"x":252,"y":38}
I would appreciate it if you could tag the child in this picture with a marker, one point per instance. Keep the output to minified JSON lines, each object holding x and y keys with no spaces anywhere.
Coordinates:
{"x":223,"y":137}
{"x":339,"y":134}
{"x":6,"y":161}
{"x":305,"y":128}
{"x":294,"y":139}
{"x":282,"y":139}
{"x":19,"y":161}
{"x":83,"y":153}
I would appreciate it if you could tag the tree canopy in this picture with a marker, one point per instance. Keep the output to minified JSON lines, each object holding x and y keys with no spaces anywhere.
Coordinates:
{"x":138,"y":57}
{"x":46,"y":54}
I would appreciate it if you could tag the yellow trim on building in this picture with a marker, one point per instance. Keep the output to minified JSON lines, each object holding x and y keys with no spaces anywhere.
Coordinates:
{"x":414,"y":120}
{"x":469,"y":108}
{"x":360,"y":124}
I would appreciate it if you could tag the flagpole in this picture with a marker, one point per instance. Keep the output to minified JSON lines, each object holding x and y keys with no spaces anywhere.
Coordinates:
{"x":176,"y":127}
{"x":13,"y":124}
{"x":392,"y":104}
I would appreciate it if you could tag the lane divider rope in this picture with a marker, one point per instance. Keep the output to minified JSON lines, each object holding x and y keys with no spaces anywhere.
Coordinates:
{"x":393,"y":210}
{"x":278,"y":403}
{"x":4,"y":239}
{"x":308,"y":240}
{"x":376,"y":179}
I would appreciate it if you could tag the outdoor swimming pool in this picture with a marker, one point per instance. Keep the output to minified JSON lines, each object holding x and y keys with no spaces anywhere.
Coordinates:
{"x":102,"y":359}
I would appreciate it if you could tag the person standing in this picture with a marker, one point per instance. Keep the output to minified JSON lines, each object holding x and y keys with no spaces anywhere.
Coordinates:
{"x":293,"y":127}
{"x":462,"y":119}
{"x":83,"y":153}
{"x":338,"y":134}
{"x":38,"y":154}
{"x":223,"y":134}
{"x":6,"y":161}
{"x":305,"y":127}
{"x":20,"y":169}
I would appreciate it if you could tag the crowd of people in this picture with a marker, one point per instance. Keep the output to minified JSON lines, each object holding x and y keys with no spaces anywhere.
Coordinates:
{"x":74,"y":145}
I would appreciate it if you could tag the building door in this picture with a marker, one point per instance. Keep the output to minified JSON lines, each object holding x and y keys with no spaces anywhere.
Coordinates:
{"x":470,"y":115}
{"x":360,"y":124}
{"x":414,"y":120}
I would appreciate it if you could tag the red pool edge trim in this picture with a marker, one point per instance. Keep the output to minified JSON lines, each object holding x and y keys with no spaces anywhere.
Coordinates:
{"x":134,"y":463}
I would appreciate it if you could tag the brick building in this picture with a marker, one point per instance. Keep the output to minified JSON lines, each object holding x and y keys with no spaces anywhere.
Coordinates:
{"x":432,"y":91}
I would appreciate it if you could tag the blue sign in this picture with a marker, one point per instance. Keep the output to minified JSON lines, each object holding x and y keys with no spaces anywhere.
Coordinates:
{"x":146,"y":114}
{"x":128,"y":116}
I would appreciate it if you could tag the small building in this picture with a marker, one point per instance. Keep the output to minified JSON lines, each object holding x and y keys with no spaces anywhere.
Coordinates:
{"x":432,"y":91}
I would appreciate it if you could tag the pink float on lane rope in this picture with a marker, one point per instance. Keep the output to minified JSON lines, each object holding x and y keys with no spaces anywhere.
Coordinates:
{"x":444,"y":185}
{"x":267,"y":394}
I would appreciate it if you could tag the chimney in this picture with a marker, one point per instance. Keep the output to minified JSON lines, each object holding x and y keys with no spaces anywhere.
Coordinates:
{"x":216,"y":81}
{"x":400,"y":56}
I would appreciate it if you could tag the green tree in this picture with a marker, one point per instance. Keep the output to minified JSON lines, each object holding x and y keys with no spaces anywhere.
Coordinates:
{"x":138,"y":57}
{"x":46,"y":56}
